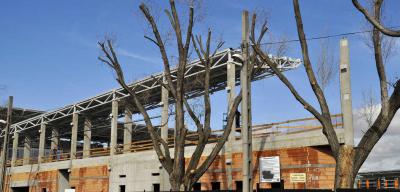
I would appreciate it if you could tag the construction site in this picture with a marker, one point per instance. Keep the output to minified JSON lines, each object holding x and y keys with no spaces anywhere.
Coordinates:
{"x":96,"y":145}
{"x":153,"y":130}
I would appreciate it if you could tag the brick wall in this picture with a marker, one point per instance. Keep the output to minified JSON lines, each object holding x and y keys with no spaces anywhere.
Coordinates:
{"x":90,"y":179}
{"x":316,"y":162}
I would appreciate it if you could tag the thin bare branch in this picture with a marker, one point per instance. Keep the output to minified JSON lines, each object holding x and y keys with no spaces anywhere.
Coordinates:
{"x":374,"y":21}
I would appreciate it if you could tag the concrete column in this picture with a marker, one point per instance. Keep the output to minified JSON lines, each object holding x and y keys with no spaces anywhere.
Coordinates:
{"x":42,"y":141}
{"x":74,"y":134}
{"x":87,"y":136}
{"x":164,"y":177}
{"x":14,"y":149}
{"x":114,"y":127}
{"x":246,"y":108}
{"x":231,"y":140}
{"x":128,"y":130}
{"x":55,"y":141}
{"x":345,"y":93}
{"x":27,"y":150}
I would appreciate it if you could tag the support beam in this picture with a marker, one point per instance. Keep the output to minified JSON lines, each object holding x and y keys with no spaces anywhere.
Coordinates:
{"x":87,"y":136}
{"x":345,"y":93}
{"x":14,"y":149}
{"x":246,"y":107}
{"x":55,"y":142}
{"x":114,"y":127}
{"x":42,"y":141}
{"x":164,"y":177}
{"x":128,"y":130}
{"x":231,"y":93}
{"x":27,"y":150}
{"x":74,"y":134}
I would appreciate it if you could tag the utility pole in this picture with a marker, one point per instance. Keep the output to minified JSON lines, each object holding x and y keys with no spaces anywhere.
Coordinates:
{"x":5,"y":142}
{"x":345,"y":93}
{"x":246,"y":107}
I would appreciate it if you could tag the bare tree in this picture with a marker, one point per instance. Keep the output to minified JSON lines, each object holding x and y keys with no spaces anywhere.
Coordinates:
{"x":388,"y":43}
{"x":348,"y":158}
{"x":179,"y":173}
{"x":369,"y":107}
{"x":326,"y":70}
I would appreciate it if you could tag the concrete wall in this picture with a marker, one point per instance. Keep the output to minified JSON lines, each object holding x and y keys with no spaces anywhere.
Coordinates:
{"x":301,"y":152}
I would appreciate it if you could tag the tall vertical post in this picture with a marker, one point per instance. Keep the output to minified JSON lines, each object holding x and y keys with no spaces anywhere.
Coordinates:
{"x":164,"y":178}
{"x":55,"y":141}
{"x":128,"y":130}
{"x":246,"y":107}
{"x":5,"y":142}
{"x":114,"y":127}
{"x":42,"y":141}
{"x":345,"y":93}
{"x":14,"y":149}
{"x":27,"y":150}
{"x":74,"y":134}
{"x":87,"y":136}
{"x":231,"y":83}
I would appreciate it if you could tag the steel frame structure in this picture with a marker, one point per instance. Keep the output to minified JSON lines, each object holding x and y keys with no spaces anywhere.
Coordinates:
{"x":150,"y":88}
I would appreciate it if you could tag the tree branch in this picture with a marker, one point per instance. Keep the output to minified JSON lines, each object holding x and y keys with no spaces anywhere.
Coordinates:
{"x":377,"y":43}
{"x":326,"y":123}
{"x":374,"y":21}
{"x":379,"y":127}
{"x":164,"y":157}
{"x":160,"y":44}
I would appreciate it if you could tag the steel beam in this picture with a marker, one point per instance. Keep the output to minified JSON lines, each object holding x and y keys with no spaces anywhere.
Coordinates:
{"x":150,"y":84}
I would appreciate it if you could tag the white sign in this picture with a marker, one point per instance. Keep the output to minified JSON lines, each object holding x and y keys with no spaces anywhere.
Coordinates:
{"x":297,"y":177}
{"x":270,"y":171}
{"x":69,"y":190}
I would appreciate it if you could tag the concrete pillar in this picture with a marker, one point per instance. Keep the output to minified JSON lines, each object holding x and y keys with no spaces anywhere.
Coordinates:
{"x":87,"y":137}
{"x":74,"y":134}
{"x":164,"y":177}
{"x":42,"y":142}
{"x":231,"y":140}
{"x":128,"y":130}
{"x":246,"y":108}
{"x":55,"y":141}
{"x":14,"y":149}
{"x":27,"y":150}
{"x":345,"y":93}
{"x":114,"y":127}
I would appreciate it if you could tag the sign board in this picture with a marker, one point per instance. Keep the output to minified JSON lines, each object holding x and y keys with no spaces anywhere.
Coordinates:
{"x":270,"y":171}
{"x":69,"y":190}
{"x":297,"y":177}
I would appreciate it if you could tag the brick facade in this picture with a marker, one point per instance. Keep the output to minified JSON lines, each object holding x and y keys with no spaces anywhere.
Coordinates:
{"x":316,"y":162}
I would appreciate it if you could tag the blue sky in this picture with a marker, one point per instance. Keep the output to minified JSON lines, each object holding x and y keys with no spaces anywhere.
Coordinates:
{"x":49,"y":50}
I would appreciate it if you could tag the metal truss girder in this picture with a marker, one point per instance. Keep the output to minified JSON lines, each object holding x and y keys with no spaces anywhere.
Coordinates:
{"x":150,"y":84}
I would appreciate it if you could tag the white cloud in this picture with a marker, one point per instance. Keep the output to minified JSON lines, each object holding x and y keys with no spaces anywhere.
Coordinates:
{"x":126,"y":53}
{"x":385,"y":154}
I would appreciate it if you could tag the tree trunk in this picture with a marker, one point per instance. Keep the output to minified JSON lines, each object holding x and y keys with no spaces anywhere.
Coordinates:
{"x":345,"y":173}
{"x":175,"y":184}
